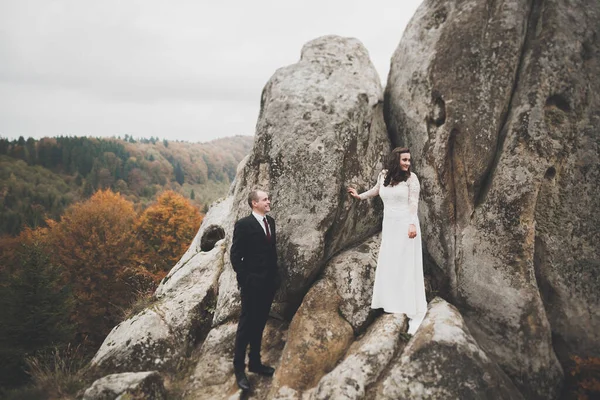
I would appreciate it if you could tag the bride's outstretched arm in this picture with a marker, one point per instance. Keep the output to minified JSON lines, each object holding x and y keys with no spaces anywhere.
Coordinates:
{"x":374,"y":191}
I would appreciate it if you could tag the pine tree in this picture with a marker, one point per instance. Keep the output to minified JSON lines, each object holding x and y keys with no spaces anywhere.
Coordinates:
{"x":4,"y":145}
{"x":35,"y":307}
{"x":179,"y":175}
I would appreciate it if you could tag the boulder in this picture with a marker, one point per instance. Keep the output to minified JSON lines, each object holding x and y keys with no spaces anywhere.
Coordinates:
{"x":497,"y":103}
{"x":443,"y":361}
{"x":365,"y":360}
{"x":353,"y":274}
{"x":215,"y":363}
{"x":565,"y":132}
{"x":317,"y":339}
{"x":320,"y":129}
{"x":213,"y":376}
{"x":129,"y":385}
{"x":160,"y":335}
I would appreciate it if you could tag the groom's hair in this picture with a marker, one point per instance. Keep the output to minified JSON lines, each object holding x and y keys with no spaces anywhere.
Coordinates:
{"x":253,"y":196}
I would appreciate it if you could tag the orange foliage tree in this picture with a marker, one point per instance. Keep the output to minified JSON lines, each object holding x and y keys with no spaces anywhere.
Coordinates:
{"x":95,"y":244}
{"x":107,"y":255}
{"x":166,"y":230}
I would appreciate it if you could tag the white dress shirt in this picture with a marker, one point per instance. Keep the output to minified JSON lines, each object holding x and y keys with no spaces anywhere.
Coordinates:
{"x":260,"y":218}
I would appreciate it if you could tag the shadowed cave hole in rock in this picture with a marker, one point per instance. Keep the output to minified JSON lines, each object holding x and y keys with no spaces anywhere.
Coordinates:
{"x":437,"y":114}
{"x":439,"y":111}
{"x":550,"y":173}
{"x":558,"y":101}
{"x":211,"y":235}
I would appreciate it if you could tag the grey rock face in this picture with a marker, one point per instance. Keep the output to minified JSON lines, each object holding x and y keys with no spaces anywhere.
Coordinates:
{"x":561,"y":98}
{"x":213,"y":376}
{"x":353,"y":273}
{"x":317,"y":339}
{"x":498,"y":103}
{"x":131,"y":385}
{"x":323,"y":326}
{"x":215,"y":362}
{"x":229,"y":301}
{"x":365,"y":360}
{"x":443,"y":361}
{"x":159,"y":336}
{"x":322,"y":114}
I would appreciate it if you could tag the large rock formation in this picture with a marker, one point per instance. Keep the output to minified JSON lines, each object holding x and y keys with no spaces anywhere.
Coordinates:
{"x":567,"y":230}
{"x":322,"y":114}
{"x":443,"y":361}
{"x":499,"y":104}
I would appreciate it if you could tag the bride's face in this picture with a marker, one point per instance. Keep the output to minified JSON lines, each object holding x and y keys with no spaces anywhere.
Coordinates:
{"x":404,"y":161}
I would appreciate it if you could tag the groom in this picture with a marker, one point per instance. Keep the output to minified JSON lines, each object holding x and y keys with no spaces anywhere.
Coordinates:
{"x":254,"y":259}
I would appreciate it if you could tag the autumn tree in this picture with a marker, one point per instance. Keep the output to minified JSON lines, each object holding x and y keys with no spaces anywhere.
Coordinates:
{"x":95,"y":244}
{"x":167,"y":229}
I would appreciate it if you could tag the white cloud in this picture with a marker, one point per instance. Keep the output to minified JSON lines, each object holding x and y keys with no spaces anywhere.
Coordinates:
{"x":188,"y":70}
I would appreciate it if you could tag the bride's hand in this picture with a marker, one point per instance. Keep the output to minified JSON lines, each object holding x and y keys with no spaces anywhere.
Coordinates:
{"x":352,"y":192}
{"x":412,"y":231}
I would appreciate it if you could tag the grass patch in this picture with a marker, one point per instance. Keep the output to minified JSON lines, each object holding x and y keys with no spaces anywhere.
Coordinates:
{"x":57,"y":374}
{"x":142,"y":301}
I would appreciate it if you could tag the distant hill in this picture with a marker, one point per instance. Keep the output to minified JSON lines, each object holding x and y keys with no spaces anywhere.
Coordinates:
{"x":39,"y":178}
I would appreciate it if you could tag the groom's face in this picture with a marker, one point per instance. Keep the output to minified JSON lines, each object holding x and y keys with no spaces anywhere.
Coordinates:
{"x":263,"y":204}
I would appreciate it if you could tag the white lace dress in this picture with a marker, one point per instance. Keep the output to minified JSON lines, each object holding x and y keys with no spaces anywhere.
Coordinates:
{"x":399,"y":284}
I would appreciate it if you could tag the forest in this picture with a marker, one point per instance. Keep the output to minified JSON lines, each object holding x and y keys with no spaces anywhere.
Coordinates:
{"x":39,"y":178}
{"x":88,"y":229}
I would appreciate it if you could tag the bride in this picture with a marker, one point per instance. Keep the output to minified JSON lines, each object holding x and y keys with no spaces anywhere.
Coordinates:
{"x":399,"y":284}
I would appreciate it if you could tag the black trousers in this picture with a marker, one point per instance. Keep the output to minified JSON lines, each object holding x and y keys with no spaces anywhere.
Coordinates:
{"x":256,"y":303}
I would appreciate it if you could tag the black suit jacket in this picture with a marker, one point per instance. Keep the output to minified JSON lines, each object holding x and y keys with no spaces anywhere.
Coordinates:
{"x":253,"y":257}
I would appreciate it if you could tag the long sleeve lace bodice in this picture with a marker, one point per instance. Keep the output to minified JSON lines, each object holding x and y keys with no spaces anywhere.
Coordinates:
{"x":414,"y":188}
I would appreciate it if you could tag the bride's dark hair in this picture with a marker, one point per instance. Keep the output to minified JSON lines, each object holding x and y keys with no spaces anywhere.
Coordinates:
{"x":395,"y":174}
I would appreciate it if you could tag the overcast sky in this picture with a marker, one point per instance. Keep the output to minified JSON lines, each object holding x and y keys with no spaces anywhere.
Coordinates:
{"x":181,"y":70}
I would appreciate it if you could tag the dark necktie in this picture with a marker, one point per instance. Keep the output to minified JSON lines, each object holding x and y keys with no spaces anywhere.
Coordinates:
{"x":267,"y":229}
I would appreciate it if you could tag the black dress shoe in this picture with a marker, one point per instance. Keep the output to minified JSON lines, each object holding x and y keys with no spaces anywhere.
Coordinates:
{"x":242,"y":380}
{"x":261,"y":369}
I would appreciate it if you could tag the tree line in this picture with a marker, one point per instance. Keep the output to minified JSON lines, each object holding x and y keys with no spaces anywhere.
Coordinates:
{"x":39,"y":178}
